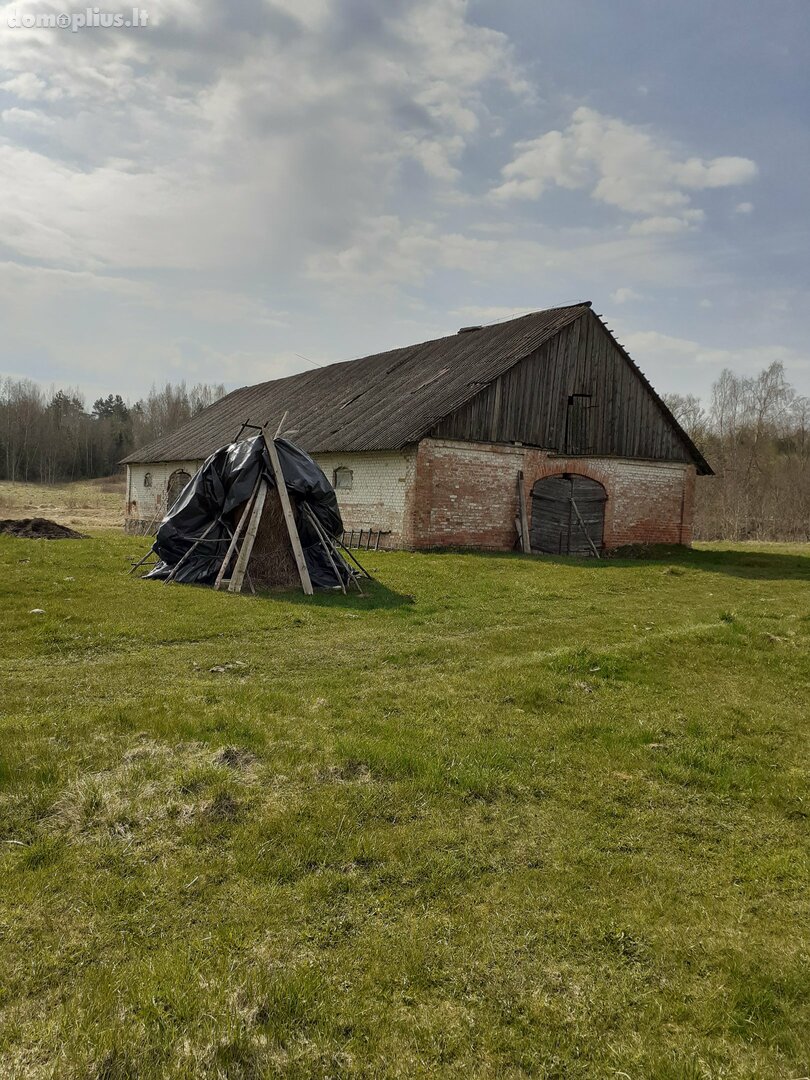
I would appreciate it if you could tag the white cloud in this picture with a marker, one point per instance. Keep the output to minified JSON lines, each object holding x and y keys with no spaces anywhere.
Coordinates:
{"x":666,"y":351}
{"x":30,"y":118}
{"x":30,"y":87}
{"x":220,"y":136}
{"x":666,"y":226}
{"x":386,"y":252}
{"x":244,"y":181}
{"x":622,"y":165}
{"x":489,"y":314}
{"x":624,"y":295}
{"x":744,"y":208}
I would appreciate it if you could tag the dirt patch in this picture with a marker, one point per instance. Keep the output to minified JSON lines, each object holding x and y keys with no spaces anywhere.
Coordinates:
{"x":223,"y":807}
{"x":235,"y":757}
{"x":38,"y":528}
{"x":341,"y":774}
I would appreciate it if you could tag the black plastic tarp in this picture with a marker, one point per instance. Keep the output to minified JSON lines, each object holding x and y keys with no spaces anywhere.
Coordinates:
{"x":226,"y":481}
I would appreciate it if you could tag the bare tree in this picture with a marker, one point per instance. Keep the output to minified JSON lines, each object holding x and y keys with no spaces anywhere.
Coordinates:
{"x":50,"y":437}
{"x":756,"y":440}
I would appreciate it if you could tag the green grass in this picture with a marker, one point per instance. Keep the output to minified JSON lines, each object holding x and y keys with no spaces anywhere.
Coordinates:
{"x":503,"y":817}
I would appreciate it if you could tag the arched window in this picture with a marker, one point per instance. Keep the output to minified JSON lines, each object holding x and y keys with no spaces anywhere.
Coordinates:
{"x":343,"y":479}
{"x":177,"y":481}
{"x":147,"y":480}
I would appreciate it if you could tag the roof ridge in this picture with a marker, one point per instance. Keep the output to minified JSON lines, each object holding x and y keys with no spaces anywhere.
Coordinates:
{"x":413,"y":345}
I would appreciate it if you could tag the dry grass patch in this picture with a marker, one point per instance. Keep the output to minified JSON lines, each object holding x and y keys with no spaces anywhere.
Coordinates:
{"x":91,"y":504}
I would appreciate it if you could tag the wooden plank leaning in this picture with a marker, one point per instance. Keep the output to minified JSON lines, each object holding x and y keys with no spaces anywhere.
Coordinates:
{"x":525,"y":539}
{"x":582,"y":526}
{"x":140,"y":562}
{"x":243,"y":558}
{"x":243,"y":518}
{"x":193,"y":547}
{"x":289,"y":518}
{"x":326,"y":544}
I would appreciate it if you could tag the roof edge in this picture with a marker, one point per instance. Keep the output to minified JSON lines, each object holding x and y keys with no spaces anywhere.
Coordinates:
{"x":577,"y":311}
{"x":703,"y":467}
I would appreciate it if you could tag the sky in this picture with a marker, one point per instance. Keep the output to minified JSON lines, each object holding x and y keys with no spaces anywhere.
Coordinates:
{"x":237,"y":191}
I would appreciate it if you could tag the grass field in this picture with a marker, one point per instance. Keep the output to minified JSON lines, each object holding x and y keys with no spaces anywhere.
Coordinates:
{"x":86,"y":504}
{"x":503,"y":817}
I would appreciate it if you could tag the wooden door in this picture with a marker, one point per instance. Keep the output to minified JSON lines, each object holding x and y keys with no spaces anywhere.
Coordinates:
{"x":568,"y":515}
{"x":177,"y":481}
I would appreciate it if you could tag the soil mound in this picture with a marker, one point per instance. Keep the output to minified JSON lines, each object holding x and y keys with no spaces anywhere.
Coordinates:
{"x":38,"y":529}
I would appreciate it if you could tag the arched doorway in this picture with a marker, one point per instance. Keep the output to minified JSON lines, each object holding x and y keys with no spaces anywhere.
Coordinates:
{"x":568,"y":515}
{"x":177,"y":481}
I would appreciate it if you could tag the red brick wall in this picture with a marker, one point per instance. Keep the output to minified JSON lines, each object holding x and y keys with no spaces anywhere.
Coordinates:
{"x":465,"y":495}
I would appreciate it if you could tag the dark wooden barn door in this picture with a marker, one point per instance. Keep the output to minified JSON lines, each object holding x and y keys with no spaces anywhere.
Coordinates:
{"x":568,"y":515}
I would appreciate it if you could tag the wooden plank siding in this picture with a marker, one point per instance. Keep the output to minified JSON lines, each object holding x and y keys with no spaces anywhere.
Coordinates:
{"x":529,"y":403}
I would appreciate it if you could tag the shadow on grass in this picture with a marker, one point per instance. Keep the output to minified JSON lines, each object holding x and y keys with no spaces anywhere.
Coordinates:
{"x":756,"y":564}
{"x":375,"y":596}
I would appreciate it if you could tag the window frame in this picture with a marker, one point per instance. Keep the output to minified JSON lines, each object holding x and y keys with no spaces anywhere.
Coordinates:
{"x":345,"y":472}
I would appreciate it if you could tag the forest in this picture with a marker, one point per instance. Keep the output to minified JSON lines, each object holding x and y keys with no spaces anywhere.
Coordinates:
{"x":753,"y":431}
{"x":51,"y":437}
{"x":754,"y":434}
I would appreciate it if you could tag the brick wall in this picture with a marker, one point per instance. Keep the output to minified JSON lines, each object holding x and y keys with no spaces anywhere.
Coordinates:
{"x":147,"y":505}
{"x":465,"y":495}
{"x":378,"y":498}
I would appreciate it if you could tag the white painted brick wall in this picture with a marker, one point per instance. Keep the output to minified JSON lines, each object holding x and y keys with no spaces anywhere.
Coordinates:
{"x":380,"y":482}
{"x":144,"y":504}
{"x":376,"y":500}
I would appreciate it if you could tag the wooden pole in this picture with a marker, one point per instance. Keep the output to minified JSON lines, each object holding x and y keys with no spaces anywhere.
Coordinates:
{"x":242,"y":559}
{"x":193,"y":547}
{"x":359,"y":566}
{"x":289,"y":517}
{"x":243,"y":517}
{"x":525,"y":538}
{"x":326,"y":544}
{"x":582,"y":526}
{"x":140,"y":562}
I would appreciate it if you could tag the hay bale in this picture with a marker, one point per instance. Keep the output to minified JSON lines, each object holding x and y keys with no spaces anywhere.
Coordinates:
{"x":272,"y":563}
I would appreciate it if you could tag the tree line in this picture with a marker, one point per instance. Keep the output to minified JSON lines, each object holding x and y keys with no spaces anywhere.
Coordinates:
{"x":50,"y":437}
{"x":755,"y":434}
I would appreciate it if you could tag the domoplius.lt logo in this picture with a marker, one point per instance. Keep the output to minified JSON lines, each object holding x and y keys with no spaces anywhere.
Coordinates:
{"x":87,"y":18}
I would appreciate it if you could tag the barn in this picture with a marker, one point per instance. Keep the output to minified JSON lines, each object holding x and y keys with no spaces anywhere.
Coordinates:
{"x":434,"y":444}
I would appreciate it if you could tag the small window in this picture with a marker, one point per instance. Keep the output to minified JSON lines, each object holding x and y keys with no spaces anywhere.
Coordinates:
{"x":343,"y":479}
{"x":147,"y":480}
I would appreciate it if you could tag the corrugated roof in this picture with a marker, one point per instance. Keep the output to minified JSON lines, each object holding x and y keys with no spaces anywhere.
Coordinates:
{"x":380,"y":402}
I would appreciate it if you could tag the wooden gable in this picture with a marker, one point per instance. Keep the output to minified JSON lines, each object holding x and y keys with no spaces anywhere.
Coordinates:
{"x":578,"y":394}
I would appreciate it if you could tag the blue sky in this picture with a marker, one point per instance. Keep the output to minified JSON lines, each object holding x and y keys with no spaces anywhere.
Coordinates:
{"x":234,"y":187}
